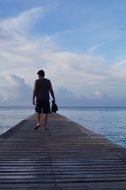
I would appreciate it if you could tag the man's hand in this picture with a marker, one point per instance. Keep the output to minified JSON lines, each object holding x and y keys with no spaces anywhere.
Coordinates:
{"x":33,"y":102}
{"x":53,"y":101}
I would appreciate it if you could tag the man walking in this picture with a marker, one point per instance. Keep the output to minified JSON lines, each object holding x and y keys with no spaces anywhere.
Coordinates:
{"x":42,"y":90}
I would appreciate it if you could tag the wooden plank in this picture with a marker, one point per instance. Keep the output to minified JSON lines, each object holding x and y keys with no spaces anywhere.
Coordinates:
{"x":67,"y":156}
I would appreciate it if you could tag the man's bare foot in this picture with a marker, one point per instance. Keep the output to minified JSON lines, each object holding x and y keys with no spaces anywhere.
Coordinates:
{"x":45,"y":127}
{"x":37,"y":126}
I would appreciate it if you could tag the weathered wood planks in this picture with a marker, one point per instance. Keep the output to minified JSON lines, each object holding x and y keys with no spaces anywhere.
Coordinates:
{"x":67,"y":156}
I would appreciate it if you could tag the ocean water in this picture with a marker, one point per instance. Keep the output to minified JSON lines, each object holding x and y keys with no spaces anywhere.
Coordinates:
{"x":109,"y":122}
{"x":11,"y":115}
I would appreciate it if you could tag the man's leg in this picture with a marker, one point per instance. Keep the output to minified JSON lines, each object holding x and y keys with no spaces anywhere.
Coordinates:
{"x":45,"y":120}
{"x":38,"y":118}
{"x":38,"y":113}
{"x":46,"y":111}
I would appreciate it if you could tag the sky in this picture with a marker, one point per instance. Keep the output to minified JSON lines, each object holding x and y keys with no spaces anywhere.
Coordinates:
{"x":81,"y":45}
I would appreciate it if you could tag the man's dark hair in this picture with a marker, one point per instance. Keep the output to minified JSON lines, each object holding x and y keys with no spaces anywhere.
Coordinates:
{"x":41,"y":73}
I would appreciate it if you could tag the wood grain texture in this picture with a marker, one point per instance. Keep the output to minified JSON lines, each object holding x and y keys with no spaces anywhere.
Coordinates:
{"x":67,"y":156}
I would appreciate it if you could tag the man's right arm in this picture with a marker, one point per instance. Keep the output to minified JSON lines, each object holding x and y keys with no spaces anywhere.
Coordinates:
{"x":34,"y":94}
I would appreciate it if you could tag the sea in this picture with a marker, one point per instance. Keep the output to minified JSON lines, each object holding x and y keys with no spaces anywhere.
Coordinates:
{"x":109,"y":122}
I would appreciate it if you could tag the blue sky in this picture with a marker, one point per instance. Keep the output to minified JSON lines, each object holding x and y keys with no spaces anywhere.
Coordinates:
{"x":80,"y":44}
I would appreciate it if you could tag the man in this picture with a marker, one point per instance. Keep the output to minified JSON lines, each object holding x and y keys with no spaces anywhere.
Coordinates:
{"x":42,"y":90}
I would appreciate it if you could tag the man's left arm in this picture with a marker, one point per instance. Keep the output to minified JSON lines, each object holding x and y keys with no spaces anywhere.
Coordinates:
{"x":51,"y":91}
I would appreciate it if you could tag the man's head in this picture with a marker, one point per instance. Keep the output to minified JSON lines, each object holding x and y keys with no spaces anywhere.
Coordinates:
{"x":41,"y":73}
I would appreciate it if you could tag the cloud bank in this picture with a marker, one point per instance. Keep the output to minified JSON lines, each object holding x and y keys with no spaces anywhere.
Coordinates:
{"x":14,"y":91}
{"x":84,"y":78}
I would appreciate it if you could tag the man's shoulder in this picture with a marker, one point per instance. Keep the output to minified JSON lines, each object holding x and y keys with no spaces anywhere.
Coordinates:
{"x":48,"y":80}
{"x":43,"y":81}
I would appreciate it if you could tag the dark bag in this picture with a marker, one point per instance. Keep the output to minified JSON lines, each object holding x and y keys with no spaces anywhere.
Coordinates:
{"x":54,"y":107}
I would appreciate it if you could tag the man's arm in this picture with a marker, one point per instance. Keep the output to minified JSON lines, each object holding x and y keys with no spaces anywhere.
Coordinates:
{"x":52,"y":92}
{"x":34,"y":94}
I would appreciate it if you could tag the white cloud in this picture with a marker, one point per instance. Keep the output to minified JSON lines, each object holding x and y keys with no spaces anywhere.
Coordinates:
{"x":20,"y":25}
{"x":118,"y":71}
{"x":99,"y":94}
{"x":97,"y":46}
{"x":14,"y":90}
{"x":22,"y":54}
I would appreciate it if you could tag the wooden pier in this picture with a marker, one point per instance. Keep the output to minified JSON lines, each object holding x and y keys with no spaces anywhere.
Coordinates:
{"x":67,"y":156}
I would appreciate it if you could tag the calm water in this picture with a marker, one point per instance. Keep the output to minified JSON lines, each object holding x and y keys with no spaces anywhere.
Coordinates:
{"x":109,"y":122}
{"x":10,"y":116}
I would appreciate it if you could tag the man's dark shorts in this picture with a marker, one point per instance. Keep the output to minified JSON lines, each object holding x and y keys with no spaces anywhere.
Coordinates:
{"x":42,"y":106}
